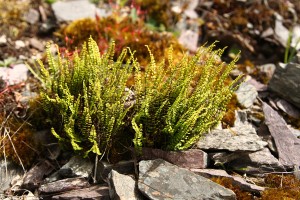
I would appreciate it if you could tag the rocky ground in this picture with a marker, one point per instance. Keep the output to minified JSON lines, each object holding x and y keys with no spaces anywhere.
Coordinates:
{"x":253,"y":154}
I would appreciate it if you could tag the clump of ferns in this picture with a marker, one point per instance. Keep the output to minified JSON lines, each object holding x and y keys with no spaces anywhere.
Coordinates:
{"x":84,"y":97}
{"x":176,"y":104}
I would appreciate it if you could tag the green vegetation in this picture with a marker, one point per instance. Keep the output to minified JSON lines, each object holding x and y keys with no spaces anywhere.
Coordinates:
{"x":177,"y":103}
{"x":50,"y":1}
{"x":84,"y":96}
{"x":290,"y":51}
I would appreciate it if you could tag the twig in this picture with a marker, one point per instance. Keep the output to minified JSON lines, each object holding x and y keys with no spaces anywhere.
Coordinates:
{"x":15,"y":150}
{"x":95,"y":170}
{"x":33,"y":149}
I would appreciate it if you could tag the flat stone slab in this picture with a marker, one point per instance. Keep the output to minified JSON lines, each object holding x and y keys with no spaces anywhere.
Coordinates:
{"x":76,"y":9}
{"x":63,"y":185}
{"x":14,"y":75}
{"x":241,"y":138}
{"x":287,"y":144}
{"x":96,"y":192}
{"x":258,"y":162}
{"x":286,"y":81}
{"x":79,"y":166}
{"x":34,"y":177}
{"x":122,"y":187}
{"x":160,"y":180}
{"x":76,"y":167}
{"x":8,"y":171}
{"x":104,"y":168}
{"x":246,"y":94}
{"x":192,"y":158}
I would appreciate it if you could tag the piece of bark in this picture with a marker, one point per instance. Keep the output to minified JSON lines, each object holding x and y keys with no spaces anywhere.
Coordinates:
{"x":63,"y":185}
{"x":34,"y":177}
{"x":192,"y":158}
{"x":288,"y":145}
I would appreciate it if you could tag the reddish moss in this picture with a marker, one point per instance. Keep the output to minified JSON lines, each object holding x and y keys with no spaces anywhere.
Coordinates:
{"x":124,"y":32}
{"x":229,"y":117}
{"x":16,"y":136}
{"x":159,"y":12}
{"x":247,"y":67}
{"x":20,"y":145}
{"x":281,"y":187}
{"x":227,"y":182}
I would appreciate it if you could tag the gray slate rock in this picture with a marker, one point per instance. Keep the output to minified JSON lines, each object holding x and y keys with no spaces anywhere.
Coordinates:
{"x":104,"y":168}
{"x":286,"y":82}
{"x":76,"y":167}
{"x":242,"y":138}
{"x":296,"y":132}
{"x":122,"y":187}
{"x":32,"y":16}
{"x":3,"y":40}
{"x":192,"y":158}
{"x":34,"y":177}
{"x":8,"y":171}
{"x":266,"y":136}
{"x":96,"y":192}
{"x":189,"y":39}
{"x":260,"y":87}
{"x":37,"y":44}
{"x":267,"y":69}
{"x":248,"y":162}
{"x":257,"y":163}
{"x":241,"y":118}
{"x":79,"y":166}
{"x":221,"y":158}
{"x":14,"y":75}
{"x":287,"y":144}
{"x":246,"y":94}
{"x":76,"y":9}
{"x":63,"y":186}
{"x":159,"y":180}
{"x":288,"y":108}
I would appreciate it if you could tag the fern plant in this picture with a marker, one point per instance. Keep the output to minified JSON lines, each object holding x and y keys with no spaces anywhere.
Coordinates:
{"x":179,"y":102}
{"x":84,"y":96}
